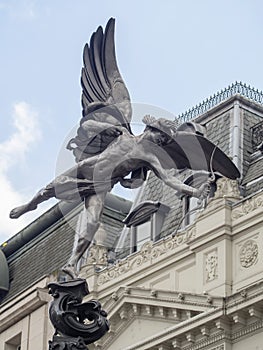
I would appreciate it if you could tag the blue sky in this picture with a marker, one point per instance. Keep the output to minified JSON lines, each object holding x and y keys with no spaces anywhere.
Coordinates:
{"x":172,"y":55}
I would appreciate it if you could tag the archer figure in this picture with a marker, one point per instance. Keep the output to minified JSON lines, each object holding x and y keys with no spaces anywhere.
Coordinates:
{"x":107,"y":152}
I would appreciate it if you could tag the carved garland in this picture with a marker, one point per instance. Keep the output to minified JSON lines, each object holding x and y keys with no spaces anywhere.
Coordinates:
{"x":247,"y":207}
{"x":149,"y":252}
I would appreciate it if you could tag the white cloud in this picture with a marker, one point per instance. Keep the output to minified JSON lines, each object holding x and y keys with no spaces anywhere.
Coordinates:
{"x":12,"y":152}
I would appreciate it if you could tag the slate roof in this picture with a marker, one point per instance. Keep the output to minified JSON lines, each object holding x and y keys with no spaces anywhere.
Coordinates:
{"x":255,"y":170}
{"x":51,"y":248}
{"x":218,"y":130}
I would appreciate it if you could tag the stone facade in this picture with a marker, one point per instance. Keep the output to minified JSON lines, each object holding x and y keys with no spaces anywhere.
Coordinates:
{"x":198,"y":287}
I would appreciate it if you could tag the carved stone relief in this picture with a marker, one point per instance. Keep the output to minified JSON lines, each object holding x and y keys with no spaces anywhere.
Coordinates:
{"x":97,"y":255}
{"x":211,"y":266}
{"x":227,"y":188}
{"x":247,"y":207}
{"x":149,"y":252}
{"x":248,"y":254}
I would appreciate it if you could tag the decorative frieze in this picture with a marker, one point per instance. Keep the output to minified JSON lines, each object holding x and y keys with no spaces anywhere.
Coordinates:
{"x":247,"y":207}
{"x":149,"y":252}
{"x":248,"y":254}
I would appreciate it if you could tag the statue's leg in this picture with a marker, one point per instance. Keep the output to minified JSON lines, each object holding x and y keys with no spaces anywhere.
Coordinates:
{"x":93,"y":210}
{"x":41,"y":196}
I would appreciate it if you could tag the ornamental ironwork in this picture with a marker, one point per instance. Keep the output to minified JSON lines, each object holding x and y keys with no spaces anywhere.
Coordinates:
{"x":233,"y":89}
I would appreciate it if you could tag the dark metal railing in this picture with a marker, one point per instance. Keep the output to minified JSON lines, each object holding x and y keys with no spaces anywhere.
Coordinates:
{"x":236,"y":88}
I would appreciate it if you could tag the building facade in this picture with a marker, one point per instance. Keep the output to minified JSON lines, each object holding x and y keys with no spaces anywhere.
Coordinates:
{"x":181,"y":275}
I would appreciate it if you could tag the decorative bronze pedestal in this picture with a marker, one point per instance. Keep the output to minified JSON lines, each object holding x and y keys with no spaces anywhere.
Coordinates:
{"x":76,"y":324}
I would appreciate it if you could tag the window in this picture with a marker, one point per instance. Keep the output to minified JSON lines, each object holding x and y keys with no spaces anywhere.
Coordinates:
{"x":191,"y":204}
{"x":143,"y":234}
{"x":146,"y":221}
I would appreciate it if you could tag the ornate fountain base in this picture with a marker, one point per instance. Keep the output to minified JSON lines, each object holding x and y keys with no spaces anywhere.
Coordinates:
{"x":67,"y":343}
{"x":76,"y":324}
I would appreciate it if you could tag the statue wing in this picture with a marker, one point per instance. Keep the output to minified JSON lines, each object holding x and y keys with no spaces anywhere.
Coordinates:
{"x":193,"y":151}
{"x":101,"y":80}
{"x":105,"y":99}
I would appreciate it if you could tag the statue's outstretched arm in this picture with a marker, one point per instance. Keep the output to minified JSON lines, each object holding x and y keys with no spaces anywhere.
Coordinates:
{"x":176,"y":184}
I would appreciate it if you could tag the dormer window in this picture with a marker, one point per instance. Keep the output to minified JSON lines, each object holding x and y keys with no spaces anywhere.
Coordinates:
{"x":146,"y":221}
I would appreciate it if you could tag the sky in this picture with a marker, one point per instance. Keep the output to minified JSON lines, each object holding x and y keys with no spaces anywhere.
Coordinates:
{"x":172,"y":55}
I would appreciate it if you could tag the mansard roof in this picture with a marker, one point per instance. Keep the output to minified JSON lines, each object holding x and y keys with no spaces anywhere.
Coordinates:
{"x":216,"y":114}
{"x":44,"y":246}
{"x":236,"y":88}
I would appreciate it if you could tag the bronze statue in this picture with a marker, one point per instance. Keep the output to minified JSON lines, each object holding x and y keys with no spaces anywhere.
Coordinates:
{"x":107,"y":152}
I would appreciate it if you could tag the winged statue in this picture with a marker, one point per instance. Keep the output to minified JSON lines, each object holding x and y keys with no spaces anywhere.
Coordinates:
{"x":107,"y":152}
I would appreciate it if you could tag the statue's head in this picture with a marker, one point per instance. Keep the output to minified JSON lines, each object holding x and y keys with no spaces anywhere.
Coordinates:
{"x":161,"y":130}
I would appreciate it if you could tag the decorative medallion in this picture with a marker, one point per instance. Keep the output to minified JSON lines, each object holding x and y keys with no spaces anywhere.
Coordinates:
{"x":248,"y":254}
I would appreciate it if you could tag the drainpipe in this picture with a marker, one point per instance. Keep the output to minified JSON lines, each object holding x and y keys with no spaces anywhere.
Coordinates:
{"x":236,"y":136}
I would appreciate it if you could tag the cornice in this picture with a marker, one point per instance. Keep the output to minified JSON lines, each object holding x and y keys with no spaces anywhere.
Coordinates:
{"x":210,"y":327}
{"x":165,"y":335}
{"x":168,"y":299}
{"x":23,"y":307}
{"x":254,"y":327}
{"x":216,"y":338}
{"x":245,"y":297}
{"x":177,"y":330}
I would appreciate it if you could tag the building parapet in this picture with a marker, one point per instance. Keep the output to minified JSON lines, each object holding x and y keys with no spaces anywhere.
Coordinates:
{"x":149,"y":253}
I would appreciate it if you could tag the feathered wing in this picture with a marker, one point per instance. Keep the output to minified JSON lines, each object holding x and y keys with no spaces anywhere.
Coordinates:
{"x":104,"y":93}
{"x":193,"y":151}
{"x":100,"y":77}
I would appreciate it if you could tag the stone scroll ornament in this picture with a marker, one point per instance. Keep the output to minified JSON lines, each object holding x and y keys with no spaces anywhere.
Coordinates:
{"x":107,"y":152}
{"x":76,"y":324}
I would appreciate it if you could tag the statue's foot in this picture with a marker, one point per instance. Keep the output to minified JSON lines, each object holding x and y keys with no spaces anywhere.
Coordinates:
{"x":70,"y":270}
{"x":18,"y":211}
